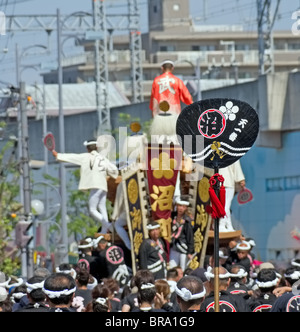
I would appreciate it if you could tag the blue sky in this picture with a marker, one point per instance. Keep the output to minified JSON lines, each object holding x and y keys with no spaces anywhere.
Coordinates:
{"x":220,"y":12}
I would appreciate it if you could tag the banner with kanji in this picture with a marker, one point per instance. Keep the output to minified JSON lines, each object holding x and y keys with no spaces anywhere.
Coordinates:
{"x":202,"y":220}
{"x":135,"y":205}
{"x":164,"y":163}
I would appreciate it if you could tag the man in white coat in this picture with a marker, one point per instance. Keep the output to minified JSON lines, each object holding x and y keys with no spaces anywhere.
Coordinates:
{"x":233,"y":175}
{"x":94,"y":169}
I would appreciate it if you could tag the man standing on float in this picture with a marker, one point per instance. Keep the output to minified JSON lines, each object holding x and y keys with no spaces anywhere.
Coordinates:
{"x":170,"y":88}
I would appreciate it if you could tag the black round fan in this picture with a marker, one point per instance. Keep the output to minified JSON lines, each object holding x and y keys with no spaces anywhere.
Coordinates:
{"x":217,"y":132}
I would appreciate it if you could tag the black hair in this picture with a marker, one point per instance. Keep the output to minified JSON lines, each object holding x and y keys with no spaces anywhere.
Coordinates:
{"x":58,"y":282}
{"x":37,"y":295}
{"x":147,"y":294}
{"x":266,"y":275}
{"x":194,"y":285}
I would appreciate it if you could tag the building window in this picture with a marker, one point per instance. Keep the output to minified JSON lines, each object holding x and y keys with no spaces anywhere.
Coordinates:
{"x":293,"y":46}
{"x":167,"y":48}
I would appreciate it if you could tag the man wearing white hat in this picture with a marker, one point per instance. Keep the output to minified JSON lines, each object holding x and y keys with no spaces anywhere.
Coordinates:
{"x":94,"y":169}
{"x":182,"y":246}
{"x":167,"y":87}
{"x":152,"y":254}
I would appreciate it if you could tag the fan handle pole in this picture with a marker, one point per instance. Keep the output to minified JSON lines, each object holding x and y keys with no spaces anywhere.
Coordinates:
{"x":216,"y":249}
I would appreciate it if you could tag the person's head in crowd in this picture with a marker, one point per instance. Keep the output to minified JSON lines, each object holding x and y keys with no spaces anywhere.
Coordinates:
{"x":153,"y":230}
{"x":224,"y":278}
{"x":35,"y":292}
{"x":296,"y":262}
{"x":5,"y":303}
{"x":179,"y":271}
{"x":162,"y":287}
{"x":66,"y":269}
{"x":85,"y":247}
{"x":142,"y":277}
{"x":41,"y":272}
{"x":238,"y":274}
{"x":292,"y":275}
{"x":267,"y":280}
{"x":243,"y":249}
{"x":172,"y":274}
{"x":60,"y":290}
{"x":112,"y":284}
{"x":101,"y":295}
{"x":146,"y":296}
{"x":223,"y":255}
{"x":190,"y":293}
{"x":18,"y":292}
{"x":82,"y":278}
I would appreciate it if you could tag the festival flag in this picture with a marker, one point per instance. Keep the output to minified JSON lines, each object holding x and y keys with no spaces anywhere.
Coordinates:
{"x":202,"y":221}
{"x":135,"y":204}
{"x":164,"y":162}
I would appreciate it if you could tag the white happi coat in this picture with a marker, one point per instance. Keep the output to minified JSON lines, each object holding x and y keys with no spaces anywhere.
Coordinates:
{"x":94,"y":169}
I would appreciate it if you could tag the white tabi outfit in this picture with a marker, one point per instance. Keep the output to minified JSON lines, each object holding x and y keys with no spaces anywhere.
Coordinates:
{"x":94,"y":170}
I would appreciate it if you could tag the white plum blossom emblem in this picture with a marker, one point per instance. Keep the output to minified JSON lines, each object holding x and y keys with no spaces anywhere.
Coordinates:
{"x":229,"y":110}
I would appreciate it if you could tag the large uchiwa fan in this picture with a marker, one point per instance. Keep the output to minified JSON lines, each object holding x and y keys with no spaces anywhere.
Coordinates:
{"x":217,"y":132}
{"x":45,"y":201}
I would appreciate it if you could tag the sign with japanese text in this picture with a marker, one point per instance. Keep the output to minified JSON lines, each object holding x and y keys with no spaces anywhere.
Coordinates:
{"x":135,"y":205}
{"x":228,"y":127}
{"x":164,"y":162}
{"x":202,"y":220}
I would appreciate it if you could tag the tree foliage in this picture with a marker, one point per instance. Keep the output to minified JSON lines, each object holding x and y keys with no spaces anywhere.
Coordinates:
{"x":9,"y":206}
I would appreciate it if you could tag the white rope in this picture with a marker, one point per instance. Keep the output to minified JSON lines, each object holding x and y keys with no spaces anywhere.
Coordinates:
{"x":147,"y":286}
{"x":267,"y":284}
{"x":57,"y":294}
{"x":186,"y":294}
{"x":32,"y":287}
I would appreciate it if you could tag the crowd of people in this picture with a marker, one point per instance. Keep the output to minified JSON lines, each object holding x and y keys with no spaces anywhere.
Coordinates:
{"x":92,"y":285}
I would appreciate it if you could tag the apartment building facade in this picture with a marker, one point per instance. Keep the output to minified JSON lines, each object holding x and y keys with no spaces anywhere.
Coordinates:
{"x":219,"y":52}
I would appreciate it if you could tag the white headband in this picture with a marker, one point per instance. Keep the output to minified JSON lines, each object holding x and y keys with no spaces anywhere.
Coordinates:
{"x":241,"y":274}
{"x":294,"y":276}
{"x":18,"y":295}
{"x":166,"y":62}
{"x":147,"y":286}
{"x":86,"y":143}
{"x":19,"y":282}
{"x":295,"y":264}
{"x":186,"y":294}
{"x":181,"y":202}
{"x":101,"y":300}
{"x":90,"y":243}
{"x":151,"y":227}
{"x":57,"y":294}
{"x":209,"y":275}
{"x":243,"y":246}
{"x":267,"y":284}
{"x":72,"y":272}
{"x":32,"y":287}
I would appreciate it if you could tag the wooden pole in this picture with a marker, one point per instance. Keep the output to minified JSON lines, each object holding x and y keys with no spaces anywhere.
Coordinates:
{"x":216,"y":250}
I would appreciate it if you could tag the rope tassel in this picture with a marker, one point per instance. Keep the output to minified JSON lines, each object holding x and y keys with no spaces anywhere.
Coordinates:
{"x":217,"y":208}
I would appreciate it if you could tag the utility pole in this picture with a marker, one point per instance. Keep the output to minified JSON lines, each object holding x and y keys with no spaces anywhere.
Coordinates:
{"x":63,"y":250}
{"x":135,"y":52}
{"x":27,"y":251}
{"x":101,"y":65}
{"x":265,"y":36}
